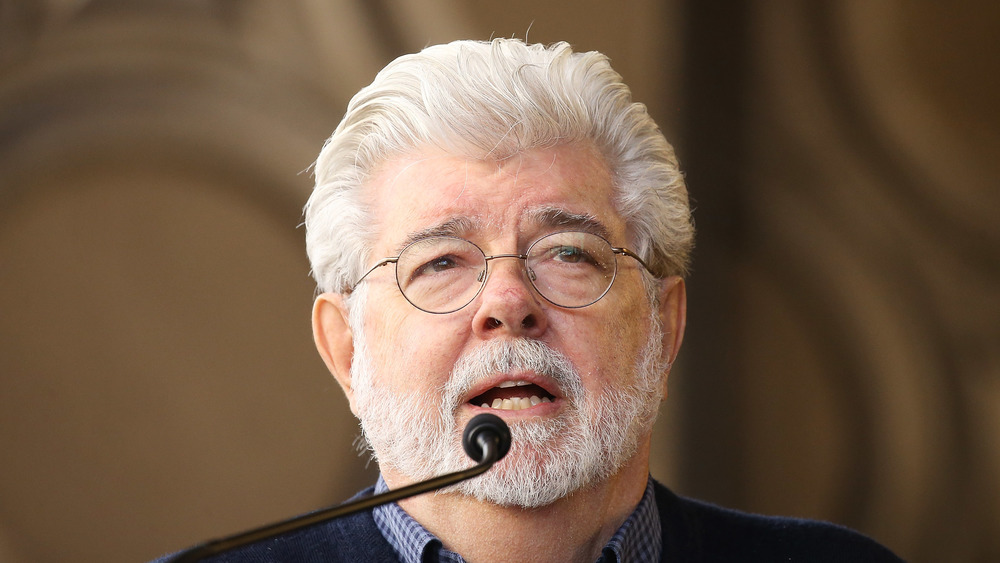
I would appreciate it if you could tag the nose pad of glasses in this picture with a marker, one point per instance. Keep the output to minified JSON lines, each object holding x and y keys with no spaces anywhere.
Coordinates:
{"x":531,"y":274}
{"x":481,"y":275}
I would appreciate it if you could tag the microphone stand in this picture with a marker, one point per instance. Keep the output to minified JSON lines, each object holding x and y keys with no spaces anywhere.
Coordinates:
{"x":492,"y":448}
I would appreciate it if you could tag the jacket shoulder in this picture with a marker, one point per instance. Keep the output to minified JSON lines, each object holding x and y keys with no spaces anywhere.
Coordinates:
{"x":352,"y":538}
{"x":699,"y":531}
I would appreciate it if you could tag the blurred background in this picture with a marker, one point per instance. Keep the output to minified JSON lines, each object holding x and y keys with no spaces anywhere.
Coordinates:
{"x":158,"y":383}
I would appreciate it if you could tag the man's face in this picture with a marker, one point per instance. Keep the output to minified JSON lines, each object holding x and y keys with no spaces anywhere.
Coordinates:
{"x":419,"y":377}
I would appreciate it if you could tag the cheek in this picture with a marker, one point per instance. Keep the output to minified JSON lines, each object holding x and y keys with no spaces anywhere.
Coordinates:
{"x":384,"y":345}
{"x":607,"y":353}
{"x":416,"y":350}
{"x":589,"y":341}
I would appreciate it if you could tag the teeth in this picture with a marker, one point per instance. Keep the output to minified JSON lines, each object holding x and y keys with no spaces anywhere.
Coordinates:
{"x":517,"y":403}
{"x":507,"y":384}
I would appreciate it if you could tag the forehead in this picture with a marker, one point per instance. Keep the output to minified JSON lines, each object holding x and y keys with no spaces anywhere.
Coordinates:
{"x":533,"y":191}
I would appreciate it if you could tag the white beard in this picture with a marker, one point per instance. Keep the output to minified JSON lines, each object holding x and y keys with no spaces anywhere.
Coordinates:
{"x":589,"y":441}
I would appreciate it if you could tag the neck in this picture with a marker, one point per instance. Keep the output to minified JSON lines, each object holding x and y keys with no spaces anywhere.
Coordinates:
{"x":574,"y":528}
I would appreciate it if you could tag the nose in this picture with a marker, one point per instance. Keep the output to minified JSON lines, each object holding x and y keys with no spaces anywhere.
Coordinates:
{"x":508,"y":305}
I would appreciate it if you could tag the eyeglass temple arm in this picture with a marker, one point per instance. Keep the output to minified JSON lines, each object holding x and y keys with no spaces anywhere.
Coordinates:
{"x":626,"y":252}
{"x":378,"y":265}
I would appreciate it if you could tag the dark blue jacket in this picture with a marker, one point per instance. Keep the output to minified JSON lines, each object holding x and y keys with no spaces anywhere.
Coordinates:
{"x":692,"y":531}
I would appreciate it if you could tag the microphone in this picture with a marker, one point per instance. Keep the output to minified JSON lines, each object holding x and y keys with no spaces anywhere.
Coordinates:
{"x":483,"y":432}
{"x":486,"y":440}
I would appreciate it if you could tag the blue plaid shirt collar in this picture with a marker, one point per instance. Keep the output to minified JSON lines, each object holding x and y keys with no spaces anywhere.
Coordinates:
{"x":637,"y":540}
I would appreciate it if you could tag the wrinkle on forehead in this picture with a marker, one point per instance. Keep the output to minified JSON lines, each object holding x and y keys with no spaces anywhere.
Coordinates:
{"x":425,"y":155}
{"x":448,"y":179}
{"x":542,"y":218}
{"x":413,"y":160}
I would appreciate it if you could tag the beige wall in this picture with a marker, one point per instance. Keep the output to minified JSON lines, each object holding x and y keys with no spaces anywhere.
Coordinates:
{"x":158,"y":385}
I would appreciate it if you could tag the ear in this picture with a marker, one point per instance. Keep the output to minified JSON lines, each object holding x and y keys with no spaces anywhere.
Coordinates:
{"x":673,"y":319}
{"x":334,"y":339}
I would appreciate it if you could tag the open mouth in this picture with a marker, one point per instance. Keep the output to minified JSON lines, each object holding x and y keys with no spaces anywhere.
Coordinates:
{"x":513,"y":396}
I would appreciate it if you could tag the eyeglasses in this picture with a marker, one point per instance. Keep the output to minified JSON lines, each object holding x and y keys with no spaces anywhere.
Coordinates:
{"x":569,"y":269}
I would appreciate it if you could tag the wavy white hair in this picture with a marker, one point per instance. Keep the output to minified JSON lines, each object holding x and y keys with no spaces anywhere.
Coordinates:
{"x":492,"y":100}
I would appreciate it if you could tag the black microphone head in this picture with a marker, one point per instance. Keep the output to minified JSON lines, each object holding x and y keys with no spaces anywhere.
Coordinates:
{"x":485,"y":426}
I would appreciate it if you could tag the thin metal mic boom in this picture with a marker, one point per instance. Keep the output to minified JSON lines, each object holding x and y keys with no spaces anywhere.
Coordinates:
{"x":486,"y":434}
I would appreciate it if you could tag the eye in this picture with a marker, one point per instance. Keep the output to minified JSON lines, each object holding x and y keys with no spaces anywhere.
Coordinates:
{"x":436,"y":265}
{"x":570,"y":255}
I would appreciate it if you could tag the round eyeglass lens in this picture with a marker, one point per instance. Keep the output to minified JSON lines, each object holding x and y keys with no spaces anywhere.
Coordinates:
{"x":571,"y":269}
{"x":440,"y":274}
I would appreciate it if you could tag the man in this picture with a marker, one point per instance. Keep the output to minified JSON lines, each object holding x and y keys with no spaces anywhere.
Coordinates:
{"x":497,"y":227}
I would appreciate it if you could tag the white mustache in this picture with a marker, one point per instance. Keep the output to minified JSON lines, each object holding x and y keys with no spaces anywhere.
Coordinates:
{"x":501,"y":356}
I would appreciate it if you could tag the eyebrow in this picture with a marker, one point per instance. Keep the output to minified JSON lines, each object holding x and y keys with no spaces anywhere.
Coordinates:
{"x":560,"y":218}
{"x":453,"y":227}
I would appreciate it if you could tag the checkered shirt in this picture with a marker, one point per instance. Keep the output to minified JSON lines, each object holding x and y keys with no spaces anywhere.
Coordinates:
{"x":636,"y":541}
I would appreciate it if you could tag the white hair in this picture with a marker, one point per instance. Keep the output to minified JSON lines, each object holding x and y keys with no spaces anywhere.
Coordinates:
{"x":493,"y":100}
